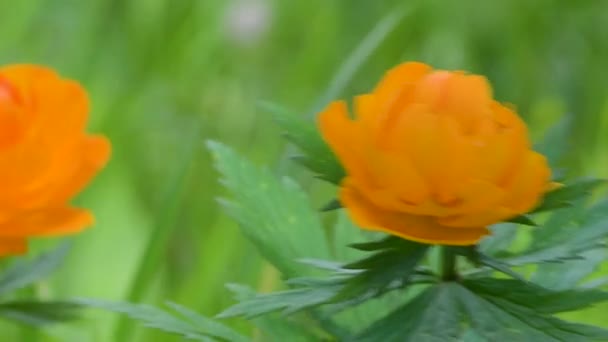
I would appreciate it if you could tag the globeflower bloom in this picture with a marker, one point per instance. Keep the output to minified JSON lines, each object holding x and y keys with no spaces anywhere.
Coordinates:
{"x":46,"y":157}
{"x":431,"y":157}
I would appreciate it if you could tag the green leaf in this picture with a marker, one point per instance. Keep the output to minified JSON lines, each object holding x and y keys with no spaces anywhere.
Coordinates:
{"x":351,"y":284}
{"x":345,"y":233}
{"x":276,"y":327}
{"x":498,"y":318}
{"x":503,"y":235}
{"x":183,"y":322}
{"x":431,"y":316}
{"x":568,"y":194}
{"x":386,"y":269}
{"x":40,"y":313}
{"x":388,"y":242}
{"x":26,"y":272}
{"x":274,"y":214}
{"x":317,"y":156}
{"x":290,"y":301}
{"x":534,"y":297}
{"x":490,"y":310}
{"x":574,"y":234}
{"x":478,"y":258}
{"x":523,"y":220}
{"x":332,"y":205}
{"x":569,"y":273}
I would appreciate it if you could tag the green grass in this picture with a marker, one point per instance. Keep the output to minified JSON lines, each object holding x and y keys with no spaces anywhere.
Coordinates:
{"x":156,"y":68}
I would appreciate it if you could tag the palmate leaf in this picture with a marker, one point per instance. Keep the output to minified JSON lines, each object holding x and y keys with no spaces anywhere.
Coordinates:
{"x":568,"y":194}
{"x":182,"y":321}
{"x":502,"y":237}
{"x":274,"y":214}
{"x":278,"y":327}
{"x":26,"y":272}
{"x":38,"y":313}
{"x":566,"y":235}
{"x":431,"y":316}
{"x":569,"y":273}
{"x":487,"y":310}
{"x":534,"y":297}
{"x":501,"y":320}
{"x":478,"y":258}
{"x":392,"y":264}
{"x":563,"y":197}
{"x":303,"y":133}
{"x":317,"y":292}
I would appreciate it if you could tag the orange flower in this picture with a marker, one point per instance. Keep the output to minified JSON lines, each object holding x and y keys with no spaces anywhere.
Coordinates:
{"x":431,"y":157}
{"x":46,"y":157}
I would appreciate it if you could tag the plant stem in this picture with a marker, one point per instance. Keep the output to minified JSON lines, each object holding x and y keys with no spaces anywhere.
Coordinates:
{"x":448,"y":264}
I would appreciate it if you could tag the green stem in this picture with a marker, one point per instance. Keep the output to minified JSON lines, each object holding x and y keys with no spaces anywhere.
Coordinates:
{"x":448,"y":264}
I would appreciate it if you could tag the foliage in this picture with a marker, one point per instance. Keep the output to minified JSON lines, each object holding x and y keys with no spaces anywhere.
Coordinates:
{"x":25,"y":273}
{"x":154,"y":66}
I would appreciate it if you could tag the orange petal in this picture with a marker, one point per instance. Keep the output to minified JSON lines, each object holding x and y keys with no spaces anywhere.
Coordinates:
{"x":46,"y":222}
{"x":94,"y":155}
{"x":437,"y":150}
{"x":416,"y":228}
{"x":528,"y":184}
{"x":501,"y":151}
{"x":344,"y":138}
{"x":483,"y":219}
{"x":12,"y":246}
{"x":388,"y":89}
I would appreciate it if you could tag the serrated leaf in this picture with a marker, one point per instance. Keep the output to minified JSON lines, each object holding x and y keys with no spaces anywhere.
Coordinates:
{"x":431,"y":316}
{"x":523,"y":220}
{"x":317,"y":156}
{"x":276,"y":327}
{"x":274,"y":214}
{"x":534,"y":297}
{"x":185,"y":323}
{"x":501,"y":239}
{"x":568,"y":194}
{"x":289,"y":301}
{"x":386,"y":269}
{"x":40,"y":313}
{"x":478,"y":258}
{"x":332,"y":205}
{"x":26,"y":272}
{"x":498,"y":319}
{"x":568,"y":274}
{"x":388,"y":242}
{"x":588,"y":236}
{"x":343,"y":234}
{"x":350,"y":285}
{"x":567,"y":235}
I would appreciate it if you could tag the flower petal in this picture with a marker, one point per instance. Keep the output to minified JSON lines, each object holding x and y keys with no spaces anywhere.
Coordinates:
{"x":438,"y":151}
{"x":423,"y":229}
{"x":12,"y":246}
{"x":484,"y":218}
{"x":95,"y":152}
{"x":389,"y":88}
{"x":530,"y":181}
{"x":342,"y":135}
{"x":46,"y":222}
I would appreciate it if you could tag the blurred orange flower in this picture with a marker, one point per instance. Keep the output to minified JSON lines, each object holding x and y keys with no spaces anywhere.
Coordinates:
{"x":46,"y":157}
{"x":431,"y":157}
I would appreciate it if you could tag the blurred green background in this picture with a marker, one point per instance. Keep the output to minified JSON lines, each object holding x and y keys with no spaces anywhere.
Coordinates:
{"x":165,"y":75}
